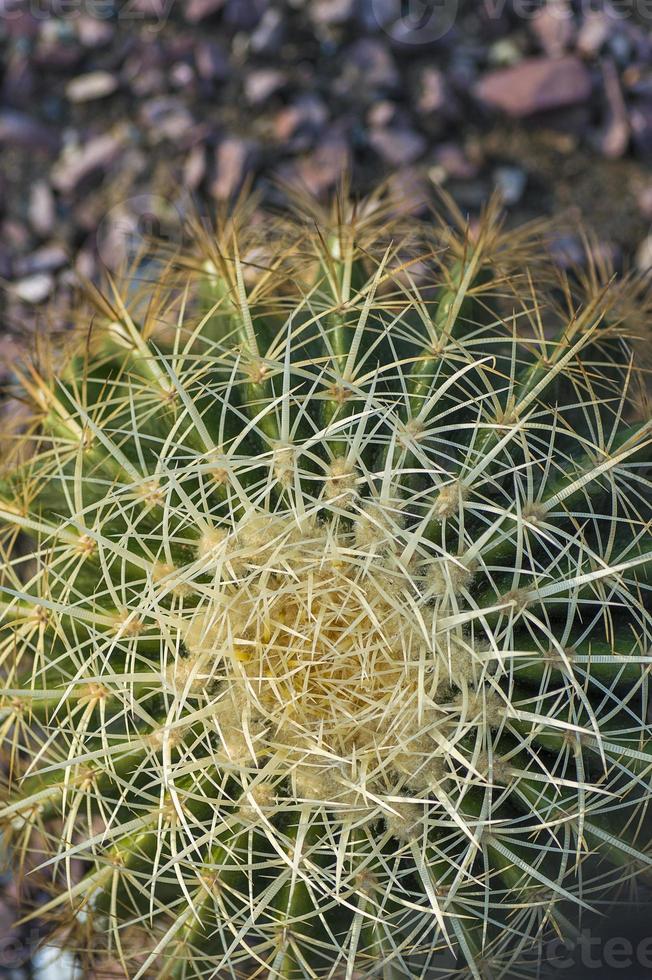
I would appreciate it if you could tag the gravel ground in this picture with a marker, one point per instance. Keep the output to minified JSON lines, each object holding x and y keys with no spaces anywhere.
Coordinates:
{"x":119,"y":119}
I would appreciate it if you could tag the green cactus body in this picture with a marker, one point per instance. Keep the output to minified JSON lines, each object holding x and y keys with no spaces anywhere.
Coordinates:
{"x":325,"y":608}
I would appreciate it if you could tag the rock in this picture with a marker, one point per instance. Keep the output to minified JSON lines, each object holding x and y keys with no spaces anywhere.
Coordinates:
{"x":269,"y":34}
{"x":616,"y":134}
{"x":454,"y":162}
{"x":34,"y":289}
{"x":93,"y":32}
{"x":644,"y":200}
{"x":397,"y":146}
{"x":433,"y":91}
{"x":330,"y":12}
{"x":554,"y":28}
{"x":510,"y":182}
{"x":568,"y":251}
{"x":535,"y":85}
{"x":22,"y":131}
{"x":48,"y":258}
{"x":198,"y":10}
{"x":194,"y":167}
{"x":303,"y":118}
{"x":503,"y":52}
{"x":244,"y":15}
{"x":233,"y":159}
{"x":77,"y":163}
{"x":182,"y":75}
{"x":261,"y":83}
{"x":368,"y":67}
{"x":93,"y":85}
{"x":212,"y":61}
{"x":644,"y":255}
{"x":374,"y":15}
{"x":166,"y":117}
{"x":56,"y":49}
{"x":382,"y":113}
{"x":640,"y":120}
{"x":321,"y":170}
{"x":41,"y":209}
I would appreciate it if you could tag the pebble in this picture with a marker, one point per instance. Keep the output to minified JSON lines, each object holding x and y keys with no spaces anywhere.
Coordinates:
{"x":22,"y":131}
{"x":77,"y":163}
{"x":92,"y":32}
{"x":644,"y":200}
{"x":554,"y":28}
{"x":305,"y":116}
{"x":454,"y":162}
{"x":48,"y":258}
{"x":368,"y":66}
{"x":331,"y":12}
{"x":34,"y":289}
{"x":194,"y":167}
{"x":166,"y":117}
{"x":212,"y":61}
{"x":93,"y":85}
{"x":397,"y":146}
{"x":616,"y":135}
{"x":269,"y":34}
{"x":262,"y":83}
{"x":535,"y":85}
{"x":640,"y":119}
{"x":644,"y":255}
{"x":593,"y":33}
{"x":198,"y":10}
{"x":433,"y":91}
{"x":233,"y":158}
{"x":510,"y":182}
{"x":320,"y":170}
{"x":41,"y":208}
{"x":244,"y":15}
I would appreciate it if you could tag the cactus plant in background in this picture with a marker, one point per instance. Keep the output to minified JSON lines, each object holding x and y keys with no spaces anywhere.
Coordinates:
{"x":325,"y":605}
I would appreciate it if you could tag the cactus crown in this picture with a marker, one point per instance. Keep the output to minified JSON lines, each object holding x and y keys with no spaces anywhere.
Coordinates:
{"x":325,"y":603}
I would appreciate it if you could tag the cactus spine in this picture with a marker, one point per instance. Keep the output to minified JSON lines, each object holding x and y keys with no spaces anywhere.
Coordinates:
{"x":325,"y":605}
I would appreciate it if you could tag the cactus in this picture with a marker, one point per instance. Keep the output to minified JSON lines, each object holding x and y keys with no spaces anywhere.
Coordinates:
{"x":325,"y":603}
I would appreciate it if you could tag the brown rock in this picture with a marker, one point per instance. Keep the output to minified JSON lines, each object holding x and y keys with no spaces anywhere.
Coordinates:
{"x":233,"y":158}
{"x":397,"y":146}
{"x":325,"y":165}
{"x":76,"y":164}
{"x":194,"y":168}
{"x":307,"y":113}
{"x":535,"y":85}
{"x":452,"y":159}
{"x":198,"y":10}
{"x":554,"y":27}
{"x":616,"y":134}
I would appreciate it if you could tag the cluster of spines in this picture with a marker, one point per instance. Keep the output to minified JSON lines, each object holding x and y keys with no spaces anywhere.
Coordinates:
{"x":366,"y":385}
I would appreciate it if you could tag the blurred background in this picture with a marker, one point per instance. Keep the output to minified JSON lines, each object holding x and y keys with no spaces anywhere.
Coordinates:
{"x":118,"y":120}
